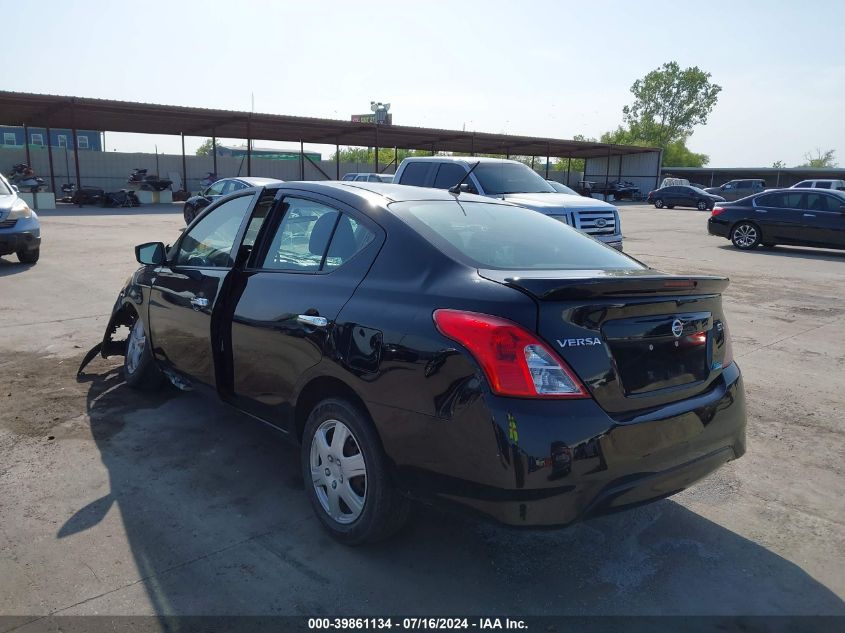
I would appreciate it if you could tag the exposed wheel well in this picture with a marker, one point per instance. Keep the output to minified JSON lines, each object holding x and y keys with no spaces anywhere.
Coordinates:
{"x":320,"y":389}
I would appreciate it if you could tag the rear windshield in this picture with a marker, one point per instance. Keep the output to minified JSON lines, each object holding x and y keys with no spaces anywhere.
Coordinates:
{"x":506,"y":237}
{"x":500,"y":178}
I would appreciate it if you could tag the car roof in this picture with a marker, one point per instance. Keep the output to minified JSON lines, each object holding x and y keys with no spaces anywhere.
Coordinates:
{"x":462,"y":159}
{"x":254,"y":181}
{"x":382,"y":191}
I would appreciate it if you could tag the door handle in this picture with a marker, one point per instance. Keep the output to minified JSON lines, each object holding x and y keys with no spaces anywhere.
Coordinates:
{"x":314,"y":321}
{"x":809,"y":215}
{"x":199,"y":302}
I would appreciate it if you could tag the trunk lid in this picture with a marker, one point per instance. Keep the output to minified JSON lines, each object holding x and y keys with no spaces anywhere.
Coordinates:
{"x":637,"y":338}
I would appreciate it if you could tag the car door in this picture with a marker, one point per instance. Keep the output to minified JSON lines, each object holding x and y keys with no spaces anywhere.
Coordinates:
{"x":185,"y":290}
{"x":824,"y":217}
{"x":779,"y":216}
{"x":686,"y":197}
{"x":315,"y":251}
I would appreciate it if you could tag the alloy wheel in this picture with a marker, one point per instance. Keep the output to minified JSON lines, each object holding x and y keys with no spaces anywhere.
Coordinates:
{"x":745,"y":236}
{"x":702,"y":205}
{"x":338,"y":471}
{"x":658,"y":203}
{"x":135,"y":346}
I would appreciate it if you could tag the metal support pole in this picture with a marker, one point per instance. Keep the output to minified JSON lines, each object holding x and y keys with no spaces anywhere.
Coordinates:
{"x":248,"y":147}
{"x":472,"y":145}
{"x":337,"y":160}
{"x":607,"y":172}
{"x":184,"y":166}
{"x":568,"y":166}
{"x":659,"y":167}
{"x":301,"y":160}
{"x":76,"y":157}
{"x":777,"y":184}
{"x":508,"y":153}
{"x":548,"y":151}
{"x":433,"y":152}
{"x":50,"y":161}
{"x":26,"y":144}
{"x":395,"y":159}
{"x":376,"y":152}
{"x":532,"y":164}
{"x":619,"y":172}
{"x":214,"y":152}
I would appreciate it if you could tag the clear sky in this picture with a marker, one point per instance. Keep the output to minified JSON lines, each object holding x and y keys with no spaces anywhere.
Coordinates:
{"x":554,"y":68}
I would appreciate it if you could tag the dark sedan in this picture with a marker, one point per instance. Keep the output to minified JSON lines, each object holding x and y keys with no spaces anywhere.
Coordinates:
{"x":798,"y":217}
{"x":218,"y":189}
{"x":683,"y":196}
{"x":420,"y":344}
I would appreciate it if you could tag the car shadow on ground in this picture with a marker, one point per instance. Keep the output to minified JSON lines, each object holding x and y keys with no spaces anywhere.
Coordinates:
{"x":828,"y":255}
{"x":213,"y":507}
{"x":10,"y":266}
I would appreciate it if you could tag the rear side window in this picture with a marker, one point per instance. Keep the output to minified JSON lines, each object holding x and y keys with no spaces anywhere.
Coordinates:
{"x":449,"y":175}
{"x":780,"y":200}
{"x":505,"y":237}
{"x":350,"y":237}
{"x":417,"y":174}
{"x":823,"y":185}
{"x":302,"y":236}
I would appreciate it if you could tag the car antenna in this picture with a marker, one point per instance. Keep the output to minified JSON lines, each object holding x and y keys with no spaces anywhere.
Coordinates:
{"x":456,"y":189}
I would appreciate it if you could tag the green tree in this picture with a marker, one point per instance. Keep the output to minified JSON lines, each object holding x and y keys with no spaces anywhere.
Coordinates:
{"x":206,"y":148}
{"x":670,"y":102}
{"x":821,"y":159}
{"x":778,"y":164}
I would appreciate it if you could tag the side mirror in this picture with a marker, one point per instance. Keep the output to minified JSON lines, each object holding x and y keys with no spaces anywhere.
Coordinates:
{"x":468,"y":187}
{"x":151,"y":253}
{"x":15,"y":189}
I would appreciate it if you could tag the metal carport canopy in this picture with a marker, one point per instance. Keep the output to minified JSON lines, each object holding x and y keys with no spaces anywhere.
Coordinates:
{"x":55,"y":111}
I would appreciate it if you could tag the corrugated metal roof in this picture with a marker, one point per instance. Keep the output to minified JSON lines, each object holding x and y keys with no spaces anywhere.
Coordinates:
{"x":17,"y":108}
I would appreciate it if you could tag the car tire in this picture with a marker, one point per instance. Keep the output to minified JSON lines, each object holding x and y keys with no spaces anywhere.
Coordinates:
{"x":139,"y":367}
{"x":658,"y":204}
{"x":745,"y":236}
{"x":189,"y":213}
{"x":702,"y":206}
{"x":364,"y":507}
{"x":29,"y":256}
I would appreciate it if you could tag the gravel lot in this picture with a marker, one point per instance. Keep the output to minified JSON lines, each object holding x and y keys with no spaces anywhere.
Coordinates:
{"x":117,"y":503}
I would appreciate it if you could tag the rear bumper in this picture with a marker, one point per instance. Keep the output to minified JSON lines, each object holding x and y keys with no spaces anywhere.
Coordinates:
{"x":547,"y":463}
{"x":718,"y":227}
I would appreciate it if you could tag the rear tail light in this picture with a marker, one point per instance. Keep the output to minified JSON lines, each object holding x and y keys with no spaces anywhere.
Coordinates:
{"x":515,"y":362}
{"x":716,"y":211}
{"x":728,"y":358}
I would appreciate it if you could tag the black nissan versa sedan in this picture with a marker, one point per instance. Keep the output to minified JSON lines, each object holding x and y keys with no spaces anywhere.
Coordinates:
{"x":421,"y":344}
{"x":797,"y":217}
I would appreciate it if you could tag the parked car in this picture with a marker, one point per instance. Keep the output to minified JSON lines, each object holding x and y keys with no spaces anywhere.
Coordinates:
{"x":821,"y":184}
{"x":515,"y":182}
{"x":447,"y":347}
{"x":736,"y":189}
{"x":368,"y":177}
{"x":683,"y":196}
{"x":20,"y":230}
{"x":218,"y":189}
{"x":800,"y":217}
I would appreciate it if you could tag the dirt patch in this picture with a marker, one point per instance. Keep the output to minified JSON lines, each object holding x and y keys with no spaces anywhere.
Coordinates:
{"x":41,"y":396}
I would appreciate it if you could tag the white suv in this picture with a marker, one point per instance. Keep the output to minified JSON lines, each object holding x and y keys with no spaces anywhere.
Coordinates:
{"x":821,"y":184}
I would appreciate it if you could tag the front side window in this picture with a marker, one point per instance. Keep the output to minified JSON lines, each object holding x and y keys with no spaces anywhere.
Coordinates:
{"x":805,"y":183}
{"x":489,"y":235}
{"x":502,"y":178}
{"x":211,"y":241}
{"x":821,"y":202}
